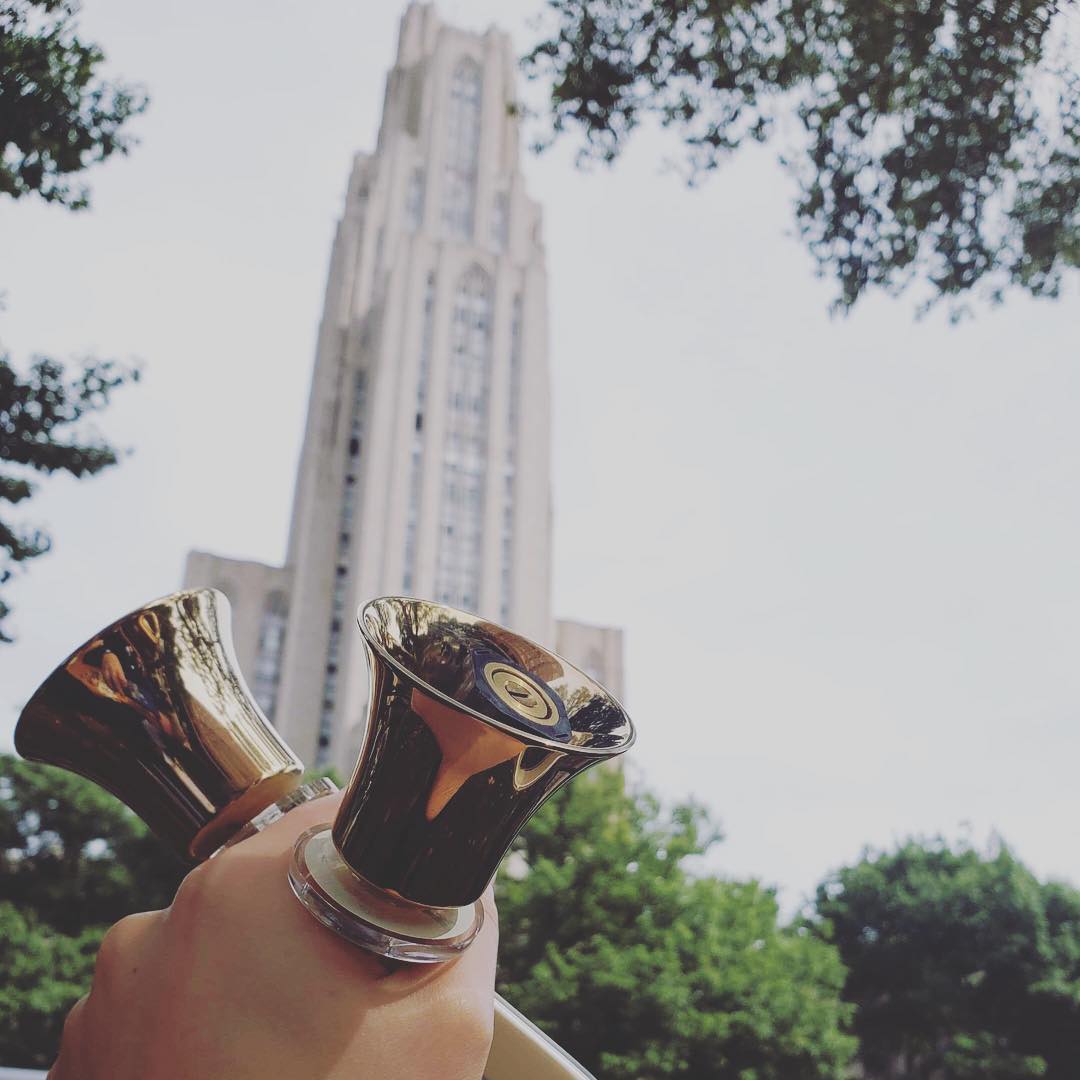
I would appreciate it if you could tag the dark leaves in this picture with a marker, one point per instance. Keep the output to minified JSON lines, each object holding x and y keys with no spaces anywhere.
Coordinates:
{"x":933,"y":146}
{"x":72,"y":861}
{"x":41,"y":431}
{"x":642,"y":968}
{"x":959,"y":963}
{"x":56,"y":117}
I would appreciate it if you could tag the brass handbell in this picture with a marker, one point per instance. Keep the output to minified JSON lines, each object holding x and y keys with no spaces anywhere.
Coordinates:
{"x":154,"y":709}
{"x":470,"y":728}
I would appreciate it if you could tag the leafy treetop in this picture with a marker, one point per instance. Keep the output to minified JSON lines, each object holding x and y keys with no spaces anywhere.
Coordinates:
{"x":960,"y":963}
{"x":40,"y":431}
{"x":938,"y":140}
{"x":56,"y":116}
{"x":642,"y":969}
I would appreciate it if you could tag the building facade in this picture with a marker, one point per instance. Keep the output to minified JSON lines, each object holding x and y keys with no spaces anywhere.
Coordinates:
{"x":597,"y":650}
{"x":426,"y":456}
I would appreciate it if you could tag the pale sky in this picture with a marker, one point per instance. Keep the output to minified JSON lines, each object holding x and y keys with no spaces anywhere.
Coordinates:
{"x":844,"y":551}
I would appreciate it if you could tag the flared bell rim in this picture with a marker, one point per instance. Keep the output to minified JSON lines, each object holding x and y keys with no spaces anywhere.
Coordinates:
{"x":21,"y":725}
{"x":530,"y":738}
{"x":170,"y":726}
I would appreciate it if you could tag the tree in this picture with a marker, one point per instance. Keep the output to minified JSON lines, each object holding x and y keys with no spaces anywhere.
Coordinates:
{"x":960,"y":964}
{"x":57,"y":117}
{"x":73,"y":860}
{"x":42,"y":974}
{"x":938,"y":140}
{"x":73,"y":853}
{"x":36,"y":410}
{"x":643,"y":970}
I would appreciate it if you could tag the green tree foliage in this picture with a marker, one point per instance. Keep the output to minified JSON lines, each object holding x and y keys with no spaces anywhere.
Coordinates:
{"x":73,"y":860}
{"x":642,"y":969}
{"x":936,"y":140}
{"x":961,"y":964}
{"x":42,"y":974}
{"x":40,"y":431}
{"x":56,"y":115}
{"x":75,"y":854}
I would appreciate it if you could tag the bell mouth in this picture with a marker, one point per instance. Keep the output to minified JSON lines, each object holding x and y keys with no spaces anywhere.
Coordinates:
{"x":154,"y":709}
{"x":497,"y":676}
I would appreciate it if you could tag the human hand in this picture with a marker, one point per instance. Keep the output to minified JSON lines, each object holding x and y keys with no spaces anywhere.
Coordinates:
{"x":236,"y":980}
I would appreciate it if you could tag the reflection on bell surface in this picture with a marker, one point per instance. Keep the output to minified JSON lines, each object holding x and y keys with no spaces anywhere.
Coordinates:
{"x":470,"y":729}
{"x":155,"y":710}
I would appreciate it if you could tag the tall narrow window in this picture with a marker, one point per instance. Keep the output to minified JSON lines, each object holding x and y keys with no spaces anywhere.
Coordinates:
{"x":513,"y":420}
{"x":414,"y":200}
{"x":268,"y":660}
{"x":500,"y":221}
{"x":464,"y":473}
{"x":347,"y":512}
{"x":380,"y":243}
{"x":416,"y":464}
{"x":462,"y":149}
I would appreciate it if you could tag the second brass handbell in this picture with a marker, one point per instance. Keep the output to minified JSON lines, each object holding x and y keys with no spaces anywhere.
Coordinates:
{"x":154,"y":709}
{"x":471,"y":727}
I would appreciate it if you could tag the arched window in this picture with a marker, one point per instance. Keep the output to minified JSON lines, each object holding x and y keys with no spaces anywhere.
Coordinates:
{"x":462,"y":149}
{"x":464,"y":474}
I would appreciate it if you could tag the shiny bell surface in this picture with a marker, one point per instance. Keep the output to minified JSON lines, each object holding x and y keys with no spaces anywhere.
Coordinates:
{"x":471,"y":727}
{"x":154,"y":709}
